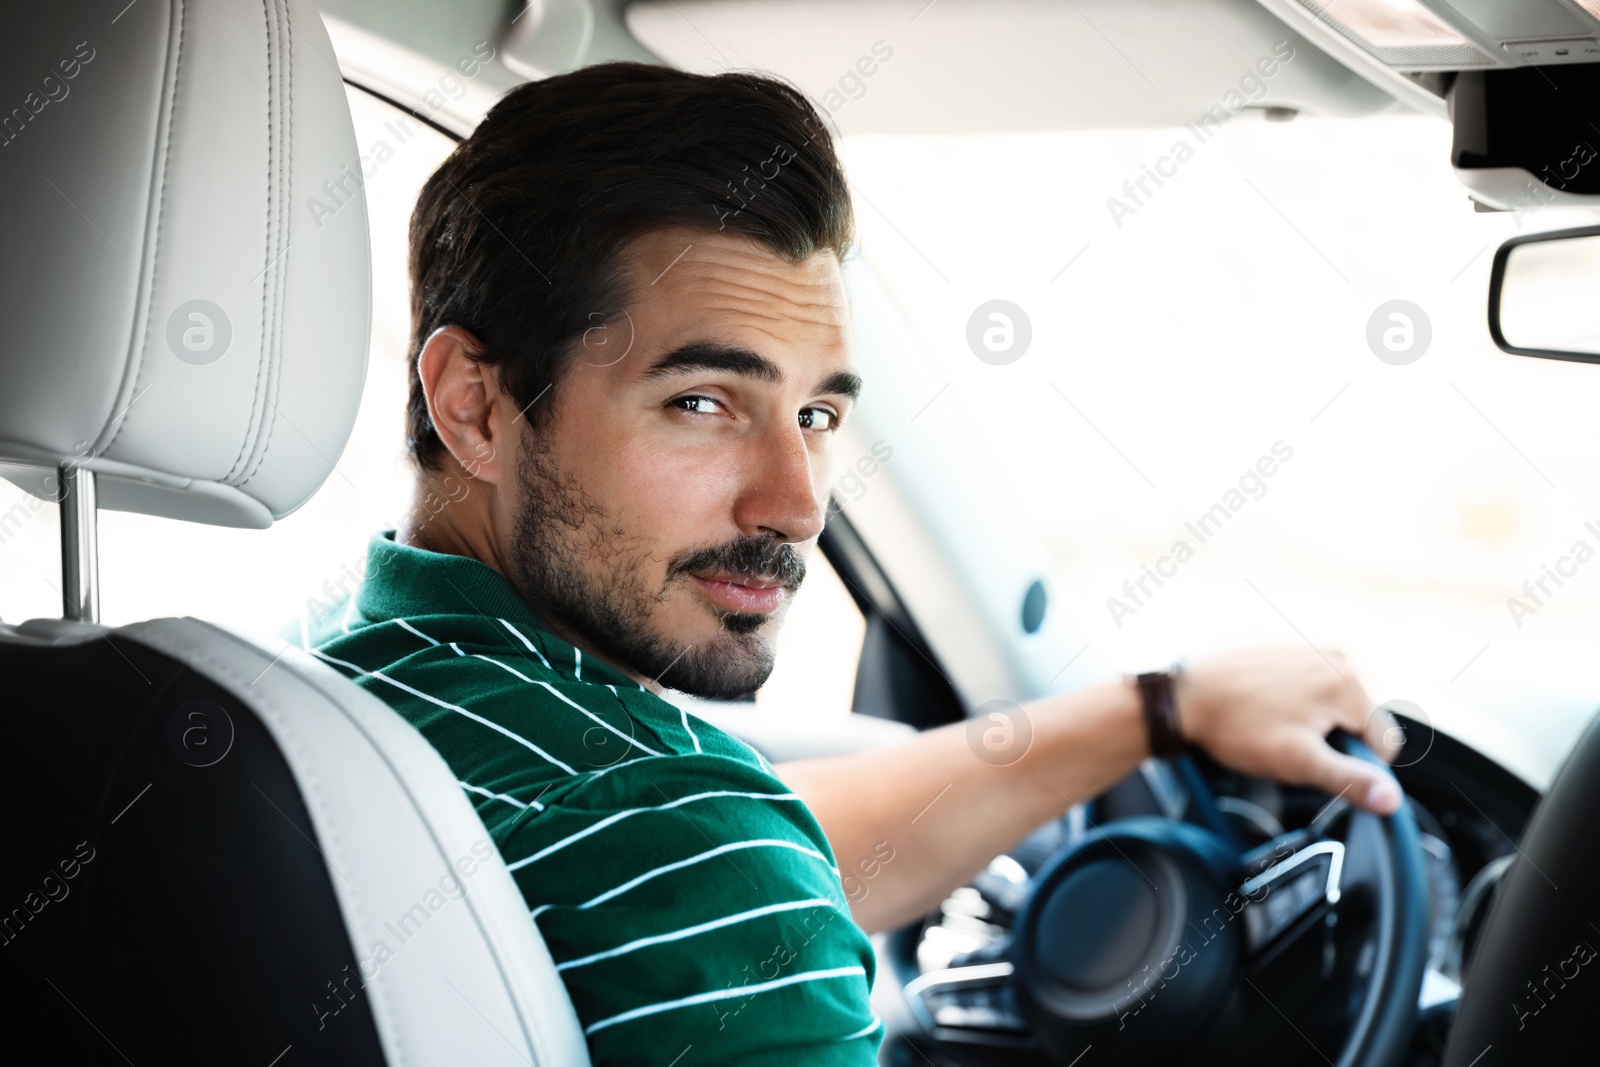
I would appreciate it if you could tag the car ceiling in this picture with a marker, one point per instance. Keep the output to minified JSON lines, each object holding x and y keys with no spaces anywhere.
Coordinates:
{"x":964,"y":66}
{"x":1005,"y":65}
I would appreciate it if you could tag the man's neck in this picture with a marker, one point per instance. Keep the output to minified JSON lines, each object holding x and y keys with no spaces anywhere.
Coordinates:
{"x":453,"y":526}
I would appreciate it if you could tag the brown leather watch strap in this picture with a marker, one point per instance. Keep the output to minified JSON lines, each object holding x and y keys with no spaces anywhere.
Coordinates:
{"x":1161,"y":713}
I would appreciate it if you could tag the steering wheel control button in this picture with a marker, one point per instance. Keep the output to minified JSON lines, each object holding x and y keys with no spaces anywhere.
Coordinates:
{"x":198,"y":332}
{"x":200,"y":733}
{"x":967,"y":1004}
{"x":999,"y":332}
{"x":1283,"y":895}
{"x":999,"y":733}
{"x":1399,"y":332}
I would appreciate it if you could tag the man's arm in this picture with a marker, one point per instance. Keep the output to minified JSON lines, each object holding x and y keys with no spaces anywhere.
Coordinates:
{"x":942,"y":813}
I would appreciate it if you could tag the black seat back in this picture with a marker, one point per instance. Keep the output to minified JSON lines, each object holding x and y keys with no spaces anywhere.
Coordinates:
{"x":166,"y":900}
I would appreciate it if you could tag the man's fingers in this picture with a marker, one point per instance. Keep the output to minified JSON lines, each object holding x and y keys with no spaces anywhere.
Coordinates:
{"x":1352,"y":709}
{"x":1366,"y":786}
{"x":1384,"y":735}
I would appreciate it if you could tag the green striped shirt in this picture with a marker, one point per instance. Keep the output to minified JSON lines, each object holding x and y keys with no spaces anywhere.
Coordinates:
{"x":690,"y":900}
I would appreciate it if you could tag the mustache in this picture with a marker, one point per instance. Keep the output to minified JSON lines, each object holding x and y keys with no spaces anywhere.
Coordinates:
{"x":746,"y":557}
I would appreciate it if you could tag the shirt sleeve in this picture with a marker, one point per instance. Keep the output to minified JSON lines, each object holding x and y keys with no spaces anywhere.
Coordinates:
{"x":693,"y":909}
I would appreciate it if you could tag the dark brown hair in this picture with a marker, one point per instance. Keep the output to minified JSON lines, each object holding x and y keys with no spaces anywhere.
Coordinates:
{"x":516,"y":238}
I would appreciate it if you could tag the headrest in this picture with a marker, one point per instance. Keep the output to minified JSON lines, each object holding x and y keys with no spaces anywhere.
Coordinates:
{"x":186,"y":288}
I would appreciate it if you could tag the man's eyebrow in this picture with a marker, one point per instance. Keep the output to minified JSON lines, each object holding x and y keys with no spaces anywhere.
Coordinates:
{"x":843,"y":383}
{"x":705,"y":355}
{"x":701,"y":355}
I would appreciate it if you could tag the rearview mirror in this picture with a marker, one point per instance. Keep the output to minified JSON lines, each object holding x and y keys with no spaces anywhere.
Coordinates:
{"x":1544,"y":295}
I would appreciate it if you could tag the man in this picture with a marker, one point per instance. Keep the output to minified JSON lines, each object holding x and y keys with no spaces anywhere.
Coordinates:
{"x":631,"y":352}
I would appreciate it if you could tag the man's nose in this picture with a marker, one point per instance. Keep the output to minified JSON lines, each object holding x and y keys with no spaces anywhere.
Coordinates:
{"x":778,"y":497}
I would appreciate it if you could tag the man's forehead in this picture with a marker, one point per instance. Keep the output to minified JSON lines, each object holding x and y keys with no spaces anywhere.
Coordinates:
{"x":700,"y":279}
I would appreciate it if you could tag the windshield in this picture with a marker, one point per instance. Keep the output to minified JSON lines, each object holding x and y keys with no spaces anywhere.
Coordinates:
{"x":1219,"y":426}
{"x":1199,"y":374}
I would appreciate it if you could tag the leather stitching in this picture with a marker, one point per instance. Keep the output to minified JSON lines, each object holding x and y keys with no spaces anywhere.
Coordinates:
{"x":160,"y":217}
{"x":267,"y":287}
{"x":285,"y":222}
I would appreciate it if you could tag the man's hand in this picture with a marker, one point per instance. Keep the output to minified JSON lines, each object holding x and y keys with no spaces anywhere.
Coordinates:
{"x":1268,"y":713}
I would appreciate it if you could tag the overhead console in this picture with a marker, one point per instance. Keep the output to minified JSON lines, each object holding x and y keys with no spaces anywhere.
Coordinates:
{"x":1515,"y":77}
{"x":1526,"y":138}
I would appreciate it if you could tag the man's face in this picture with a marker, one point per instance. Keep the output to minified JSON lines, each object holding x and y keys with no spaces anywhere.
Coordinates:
{"x":666,"y":505}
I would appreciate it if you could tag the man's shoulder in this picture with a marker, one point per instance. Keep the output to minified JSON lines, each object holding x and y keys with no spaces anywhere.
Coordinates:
{"x":681,"y":887}
{"x":509,"y":708}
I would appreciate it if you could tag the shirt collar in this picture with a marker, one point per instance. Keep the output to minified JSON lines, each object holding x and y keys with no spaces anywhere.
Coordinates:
{"x":404,"y":581}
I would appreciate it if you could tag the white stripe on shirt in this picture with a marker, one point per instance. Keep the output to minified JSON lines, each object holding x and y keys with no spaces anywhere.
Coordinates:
{"x":416,"y":631}
{"x":611,"y":820}
{"x":558,"y":694}
{"x":349,"y":608}
{"x":531,"y":647}
{"x":512,"y":734}
{"x":864,"y":1031}
{"x":690,"y":931}
{"x":513,"y":801}
{"x":692,"y":736}
{"x":735,"y":846}
{"x":722,"y":994}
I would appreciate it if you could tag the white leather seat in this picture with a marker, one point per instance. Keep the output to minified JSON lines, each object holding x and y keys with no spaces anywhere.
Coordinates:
{"x":315,"y":879}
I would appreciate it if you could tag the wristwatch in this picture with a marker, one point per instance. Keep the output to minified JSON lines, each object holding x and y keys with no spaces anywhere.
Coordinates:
{"x":1160,"y":706}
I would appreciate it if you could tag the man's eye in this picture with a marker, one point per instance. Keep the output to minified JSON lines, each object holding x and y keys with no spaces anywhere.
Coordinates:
{"x":696,"y":405}
{"x":818,"y":419}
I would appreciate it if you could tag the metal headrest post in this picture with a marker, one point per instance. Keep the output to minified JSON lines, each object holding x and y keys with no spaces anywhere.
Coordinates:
{"x":80,"y":556}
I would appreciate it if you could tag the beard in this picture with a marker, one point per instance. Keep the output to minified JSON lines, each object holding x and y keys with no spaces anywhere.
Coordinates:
{"x":578,"y":568}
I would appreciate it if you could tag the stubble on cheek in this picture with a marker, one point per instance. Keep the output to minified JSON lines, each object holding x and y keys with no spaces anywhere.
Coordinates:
{"x":622,"y":594}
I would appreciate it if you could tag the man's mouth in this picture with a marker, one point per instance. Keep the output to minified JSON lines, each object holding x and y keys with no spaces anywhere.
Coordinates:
{"x":743,"y":595}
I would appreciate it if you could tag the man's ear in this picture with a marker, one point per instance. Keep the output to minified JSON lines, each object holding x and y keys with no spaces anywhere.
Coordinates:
{"x":465,"y":403}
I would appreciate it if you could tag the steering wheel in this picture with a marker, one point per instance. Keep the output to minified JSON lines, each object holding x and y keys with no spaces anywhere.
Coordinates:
{"x":1153,"y":938}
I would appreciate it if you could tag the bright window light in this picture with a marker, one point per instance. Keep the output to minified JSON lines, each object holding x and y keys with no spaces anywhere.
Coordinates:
{"x":1245,"y":303}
